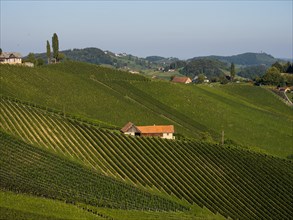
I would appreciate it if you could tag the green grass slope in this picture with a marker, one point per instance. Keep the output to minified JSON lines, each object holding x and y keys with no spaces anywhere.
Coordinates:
{"x":22,"y":206}
{"x":228,"y":180}
{"x":248,"y":115}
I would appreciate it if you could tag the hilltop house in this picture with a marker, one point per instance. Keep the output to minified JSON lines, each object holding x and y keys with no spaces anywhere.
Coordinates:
{"x":178,"y":79}
{"x":163,"y":131}
{"x":10,"y":58}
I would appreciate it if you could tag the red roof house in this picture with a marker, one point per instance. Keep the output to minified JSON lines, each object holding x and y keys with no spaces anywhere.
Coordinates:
{"x":163,"y":131}
{"x":178,"y":79}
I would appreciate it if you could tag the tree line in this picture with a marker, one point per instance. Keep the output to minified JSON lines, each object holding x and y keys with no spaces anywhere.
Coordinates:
{"x":279,"y":74}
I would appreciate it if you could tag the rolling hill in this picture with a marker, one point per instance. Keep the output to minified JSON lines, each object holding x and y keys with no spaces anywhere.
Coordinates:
{"x":250,"y":116}
{"x":246,"y":59}
{"x":57,"y":153}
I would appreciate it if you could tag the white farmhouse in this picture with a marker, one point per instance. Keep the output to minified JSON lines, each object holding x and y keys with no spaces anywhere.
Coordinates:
{"x":10,"y":58}
{"x":163,"y":131}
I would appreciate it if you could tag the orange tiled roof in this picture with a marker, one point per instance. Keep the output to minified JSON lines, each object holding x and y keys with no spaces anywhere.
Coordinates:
{"x":155,"y":129}
{"x":180,"y":79}
{"x":127,"y":127}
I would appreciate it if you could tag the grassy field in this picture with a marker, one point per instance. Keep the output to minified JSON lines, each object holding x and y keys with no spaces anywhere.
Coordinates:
{"x":249,"y":116}
{"x":22,"y":206}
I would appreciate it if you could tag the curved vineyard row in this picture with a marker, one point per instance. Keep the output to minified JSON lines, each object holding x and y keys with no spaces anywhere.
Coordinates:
{"x":28,"y":169}
{"x":231,"y":181}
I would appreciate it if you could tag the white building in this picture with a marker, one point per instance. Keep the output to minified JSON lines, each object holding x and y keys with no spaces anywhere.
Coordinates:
{"x":163,"y":131}
{"x":10,"y":58}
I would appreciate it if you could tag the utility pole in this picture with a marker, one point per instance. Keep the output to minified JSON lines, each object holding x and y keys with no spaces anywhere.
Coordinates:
{"x":223,"y":137}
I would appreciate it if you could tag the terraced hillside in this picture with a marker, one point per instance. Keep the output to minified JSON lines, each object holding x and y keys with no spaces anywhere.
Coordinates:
{"x":231,"y":181}
{"x":250,"y":116}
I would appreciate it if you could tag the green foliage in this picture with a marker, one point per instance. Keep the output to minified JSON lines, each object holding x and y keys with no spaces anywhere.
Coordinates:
{"x":40,"y":62}
{"x":22,"y":206}
{"x":289,"y":69}
{"x":154,"y":58}
{"x":288,"y":79}
{"x":90,"y":55}
{"x":55,"y":46}
{"x":208,"y":67}
{"x":252,"y":72}
{"x":31,"y":58}
{"x":232,"y":71}
{"x":48,"y":53}
{"x":177,"y":64}
{"x":201,"y":78}
{"x":223,"y":79}
{"x":0,"y":51}
{"x":278,"y":66}
{"x":247,"y":59}
{"x":61,"y":56}
{"x":273,"y":77}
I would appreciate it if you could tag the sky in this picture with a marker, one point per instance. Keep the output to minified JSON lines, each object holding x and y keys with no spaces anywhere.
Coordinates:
{"x":182,"y":29}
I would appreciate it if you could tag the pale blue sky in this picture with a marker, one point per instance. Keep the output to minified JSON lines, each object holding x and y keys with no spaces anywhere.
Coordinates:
{"x":181,"y":29}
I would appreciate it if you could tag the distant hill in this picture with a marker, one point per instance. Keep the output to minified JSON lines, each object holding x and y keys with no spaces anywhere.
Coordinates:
{"x":116,"y":60}
{"x":89,"y":55}
{"x":246,"y":59}
{"x":206,"y":66}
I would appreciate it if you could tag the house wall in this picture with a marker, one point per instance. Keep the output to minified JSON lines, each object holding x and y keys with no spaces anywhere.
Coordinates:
{"x":168,"y":136}
{"x":151,"y":135}
{"x":130,"y":133}
{"x":11,"y":61}
{"x":188,"y":81}
{"x":162,"y":135}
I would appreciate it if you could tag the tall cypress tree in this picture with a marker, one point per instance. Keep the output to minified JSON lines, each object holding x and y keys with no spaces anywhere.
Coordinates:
{"x":55,"y":46}
{"x":232,"y":71}
{"x":48,"y":51}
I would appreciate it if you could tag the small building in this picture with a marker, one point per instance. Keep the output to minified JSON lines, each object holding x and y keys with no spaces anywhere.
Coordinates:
{"x":163,"y":131}
{"x":29,"y":64}
{"x":184,"y":80}
{"x":10,"y":58}
{"x":284,"y":89}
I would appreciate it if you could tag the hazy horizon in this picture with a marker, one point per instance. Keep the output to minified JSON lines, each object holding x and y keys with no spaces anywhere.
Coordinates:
{"x":182,"y":29}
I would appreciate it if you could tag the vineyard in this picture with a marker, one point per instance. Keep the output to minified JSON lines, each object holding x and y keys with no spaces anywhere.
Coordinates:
{"x":115,"y":97}
{"x":28,"y":169}
{"x":228,"y":180}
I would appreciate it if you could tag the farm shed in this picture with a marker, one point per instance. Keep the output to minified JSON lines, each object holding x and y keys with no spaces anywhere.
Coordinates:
{"x":163,"y":131}
{"x":178,"y":79}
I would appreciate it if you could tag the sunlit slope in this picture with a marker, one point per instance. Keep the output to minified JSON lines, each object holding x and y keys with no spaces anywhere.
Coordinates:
{"x":228,"y":180}
{"x":83,"y":89}
{"x":248,"y":115}
{"x":22,"y":206}
{"x":28,"y":169}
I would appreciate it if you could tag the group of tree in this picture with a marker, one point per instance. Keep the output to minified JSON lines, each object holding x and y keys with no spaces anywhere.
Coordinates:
{"x":278,"y":75}
{"x":57,"y":56}
{"x":38,"y":60}
{"x":31,"y":58}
